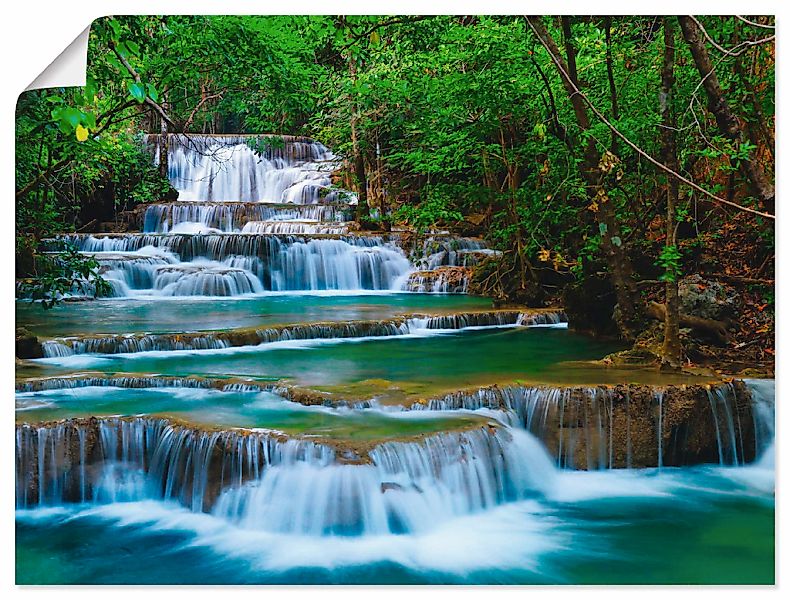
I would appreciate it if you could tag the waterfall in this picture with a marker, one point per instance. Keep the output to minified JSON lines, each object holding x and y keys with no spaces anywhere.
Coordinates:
{"x":444,"y":280}
{"x":764,"y":414}
{"x":236,"y":264}
{"x":120,"y":459}
{"x":627,"y":425}
{"x":125,"y":343}
{"x":258,"y":168}
{"x":438,"y":252}
{"x":407,"y":487}
{"x":231,"y":217}
{"x":258,"y":213}
{"x":261,"y":481}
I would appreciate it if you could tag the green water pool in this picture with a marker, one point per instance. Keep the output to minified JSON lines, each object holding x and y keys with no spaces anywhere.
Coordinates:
{"x":204,"y":314}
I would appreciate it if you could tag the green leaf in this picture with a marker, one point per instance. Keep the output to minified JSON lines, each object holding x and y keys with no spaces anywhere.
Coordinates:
{"x":137,"y":91}
{"x":133,"y":47}
{"x":617,"y":241}
{"x":602,"y":228}
{"x":152,"y":93}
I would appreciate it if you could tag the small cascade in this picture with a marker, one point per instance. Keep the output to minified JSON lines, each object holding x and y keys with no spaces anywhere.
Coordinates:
{"x":131,"y":382}
{"x":231,"y":217}
{"x":125,"y":343}
{"x":444,"y":280}
{"x":438,"y":252}
{"x":764,"y":414}
{"x":119,"y":344}
{"x":296,"y":227}
{"x":727,"y":421}
{"x":625,"y":425}
{"x":494,"y":319}
{"x":205,"y":279}
{"x":407,"y":488}
{"x":116,"y":459}
{"x":251,"y":168}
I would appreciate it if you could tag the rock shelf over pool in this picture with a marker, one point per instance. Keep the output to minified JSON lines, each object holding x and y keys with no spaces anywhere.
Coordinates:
{"x":626,"y":425}
{"x":582,"y":427}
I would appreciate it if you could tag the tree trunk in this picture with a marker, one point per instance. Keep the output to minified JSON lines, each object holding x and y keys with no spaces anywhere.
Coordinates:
{"x":363,"y":211}
{"x":618,"y":262}
{"x":164,"y":144}
{"x":729,"y":127}
{"x":671,"y":351}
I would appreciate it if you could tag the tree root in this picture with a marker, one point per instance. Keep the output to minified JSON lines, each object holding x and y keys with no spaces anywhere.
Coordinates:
{"x":715,"y":329}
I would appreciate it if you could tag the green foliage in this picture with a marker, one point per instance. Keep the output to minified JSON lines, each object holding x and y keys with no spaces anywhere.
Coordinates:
{"x":670,"y":260}
{"x":63,"y":273}
{"x":448,"y":116}
{"x":436,"y":209}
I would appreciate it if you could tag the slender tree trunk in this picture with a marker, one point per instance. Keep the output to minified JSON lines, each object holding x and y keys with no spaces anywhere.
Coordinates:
{"x":671,"y":350}
{"x":164,"y":144}
{"x":729,"y":127}
{"x":619,"y":264}
{"x":363,"y":210}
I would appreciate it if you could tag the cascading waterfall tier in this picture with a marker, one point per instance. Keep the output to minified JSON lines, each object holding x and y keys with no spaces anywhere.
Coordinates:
{"x":250,"y":168}
{"x":623,"y":426}
{"x":445,"y":280}
{"x":127,"y":381}
{"x":234,"y":264}
{"x":117,"y":459}
{"x":117,"y":344}
{"x":232,"y":217}
{"x":261,"y":480}
{"x":299,"y":395}
{"x":626,"y":425}
{"x":445,"y":251}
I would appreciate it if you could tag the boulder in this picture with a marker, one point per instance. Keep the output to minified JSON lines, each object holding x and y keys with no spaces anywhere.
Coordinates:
{"x":707,"y":299}
{"x":27,"y":344}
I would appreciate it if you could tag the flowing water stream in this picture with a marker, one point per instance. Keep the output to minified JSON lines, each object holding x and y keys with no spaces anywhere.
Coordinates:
{"x":272,"y":397}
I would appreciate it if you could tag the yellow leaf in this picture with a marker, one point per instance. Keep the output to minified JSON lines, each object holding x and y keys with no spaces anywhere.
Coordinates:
{"x":543,"y":255}
{"x":82,"y":133}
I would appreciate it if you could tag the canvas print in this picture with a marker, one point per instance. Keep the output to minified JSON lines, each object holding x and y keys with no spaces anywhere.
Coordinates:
{"x":399,"y":300}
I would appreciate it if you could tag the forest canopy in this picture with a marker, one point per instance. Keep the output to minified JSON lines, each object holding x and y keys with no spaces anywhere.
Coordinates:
{"x":606,"y":157}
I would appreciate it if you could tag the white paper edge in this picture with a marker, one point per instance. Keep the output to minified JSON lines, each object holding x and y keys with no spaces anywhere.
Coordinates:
{"x":68,"y":69}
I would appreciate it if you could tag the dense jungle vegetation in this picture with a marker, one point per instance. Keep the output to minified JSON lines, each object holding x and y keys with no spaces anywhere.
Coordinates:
{"x":613,"y":160}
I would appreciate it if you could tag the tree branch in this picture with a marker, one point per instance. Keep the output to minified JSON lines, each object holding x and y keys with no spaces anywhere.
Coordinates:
{"x":148,"y":100}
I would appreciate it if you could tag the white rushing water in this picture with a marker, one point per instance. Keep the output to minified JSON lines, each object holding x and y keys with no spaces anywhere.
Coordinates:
{"x":259,"y":214}
{"x":240,"y":168}
{"x":454,"y":502}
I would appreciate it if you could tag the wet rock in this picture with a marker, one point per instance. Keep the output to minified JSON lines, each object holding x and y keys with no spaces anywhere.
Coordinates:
{"x":707,"y":299}
{"x":27,"y":344}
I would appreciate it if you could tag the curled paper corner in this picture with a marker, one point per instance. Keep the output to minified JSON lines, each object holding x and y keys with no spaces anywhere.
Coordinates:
{"x":68,"y":69}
